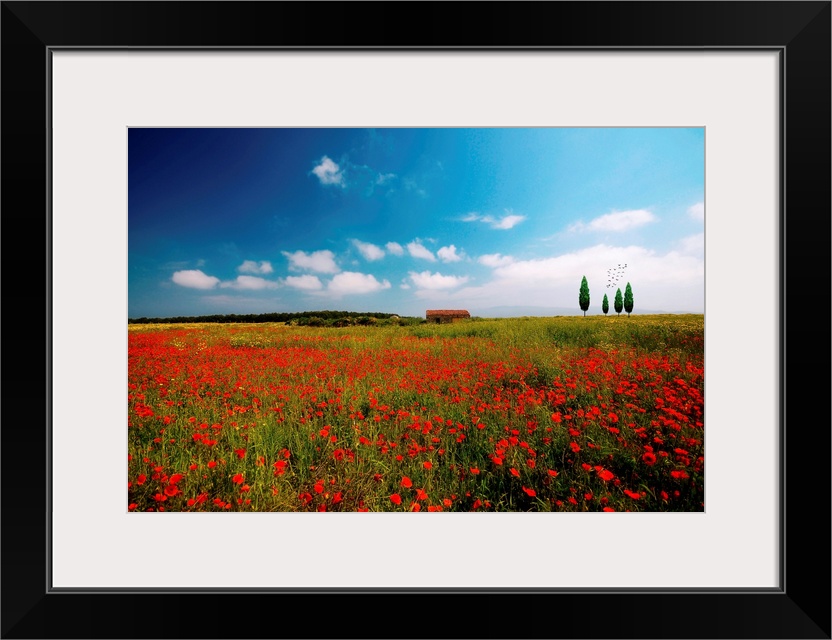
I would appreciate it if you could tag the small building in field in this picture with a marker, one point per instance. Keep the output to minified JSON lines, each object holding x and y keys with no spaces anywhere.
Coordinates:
{"x":446,"y":315}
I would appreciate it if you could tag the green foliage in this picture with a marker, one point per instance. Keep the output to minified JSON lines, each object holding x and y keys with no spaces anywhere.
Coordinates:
{"x":619,"y":302}
{"x":628,"y":299}
{"x":583,"y":295}
{"x":605,"y":305}
{"x":303,"y":318}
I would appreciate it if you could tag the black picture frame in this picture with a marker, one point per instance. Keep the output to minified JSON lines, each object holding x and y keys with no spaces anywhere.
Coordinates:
{"x":799,"y":31}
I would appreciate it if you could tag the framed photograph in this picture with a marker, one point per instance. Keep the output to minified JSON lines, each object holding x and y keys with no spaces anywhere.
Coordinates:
{"x":111,"y":105}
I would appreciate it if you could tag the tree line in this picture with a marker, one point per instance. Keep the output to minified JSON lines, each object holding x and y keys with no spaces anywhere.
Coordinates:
{"x":621,"y":303}
{"x":326,"y":316}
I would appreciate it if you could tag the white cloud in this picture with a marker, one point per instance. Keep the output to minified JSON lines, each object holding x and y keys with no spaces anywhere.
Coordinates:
{"x":305,"y":283}
{"x":616,"y":221}
{"x":697,"y":211}
{"x":195,"y":279}
{"x":418,"y":250}
{"x":495,"y":260}
{"x":250,"y":283}
{"x":395,"y":248}
{"x":404,"y":285}
{"x":693,"y":245}
{"x":351,"y":282}
{"x":384,"y":178}
{"x":436,"y":281}
{"x":508,"y":221}
{"x":670,"y":282}
{"x":369,"y":251}
{"x":319,"y":261}
{"x":449,"y":254}
{"x":252,"y":266}
{"x":329,"y":172}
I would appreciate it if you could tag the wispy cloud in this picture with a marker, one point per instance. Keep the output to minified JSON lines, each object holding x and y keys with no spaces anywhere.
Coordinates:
{"x":697,"y":211}
{"x":616,"y":221}
{"x":318,"y":261}
{"x":508,"y":221}
{"x":252,"y":266}
{"x":250,"y":283}
{"x":370,"y":251}
{"x":395,"y":248}
{"x":354,"y":283}
{"x":449,"y":254}
{"x":418,"y":250}
{"x":329,"y":172}
{"x":194,"y":279}
{"x":436,"y":281}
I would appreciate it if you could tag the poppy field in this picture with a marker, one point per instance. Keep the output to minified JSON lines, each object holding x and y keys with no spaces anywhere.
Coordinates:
{"x":522,"y":414}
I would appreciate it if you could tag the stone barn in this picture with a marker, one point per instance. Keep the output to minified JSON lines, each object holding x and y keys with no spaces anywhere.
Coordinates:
{"x":446,"y":315}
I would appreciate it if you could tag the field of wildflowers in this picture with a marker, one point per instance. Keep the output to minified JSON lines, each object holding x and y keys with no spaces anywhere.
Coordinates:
{"x":525,"y":414}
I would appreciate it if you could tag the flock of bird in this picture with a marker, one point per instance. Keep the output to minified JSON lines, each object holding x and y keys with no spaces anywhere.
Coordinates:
{"x":614,"y":275}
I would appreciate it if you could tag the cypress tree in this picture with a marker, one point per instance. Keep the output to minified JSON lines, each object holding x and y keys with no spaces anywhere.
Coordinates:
{"x":619,"y":302}
{"x":583,"y":295}
{"x":628,"y":299}
{"x":605,"y":305}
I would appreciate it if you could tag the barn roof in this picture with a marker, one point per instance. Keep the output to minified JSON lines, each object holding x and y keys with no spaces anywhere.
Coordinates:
{"x":447,"y":312}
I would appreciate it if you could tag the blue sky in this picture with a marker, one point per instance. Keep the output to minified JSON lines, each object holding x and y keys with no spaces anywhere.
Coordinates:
{"x":499,"y":222}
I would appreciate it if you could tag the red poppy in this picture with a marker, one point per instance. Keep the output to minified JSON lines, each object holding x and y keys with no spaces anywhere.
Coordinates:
{"x":477,"y":504}
{"x":141,"y":479}
{"x":515,"y":472}
{"x":175,"y":478}
{"x":552,"y":472}
{"x":241,"y":453}
{"x":238,"y":478}
{"x":171,"y":490}
{"x":245,"y":488}
{"x":415,"y":507}
{"x":475,"y":471}
{"x":319,"y":486}
{"x":427,"y":464}
{"x":421,"y":494}
{"x":649,"y":458}
{"x":497,"y":460}
{"x":530,"y":492}
{"x":679,"y":475}
{"x":212,"y":464}
{"x":632,"y":494}
{"x":407,"y":482}
{"x":606,"y":475}
{"x":575,"y":447}
{"x":608,"y":509}
{"x":396,"y":498}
